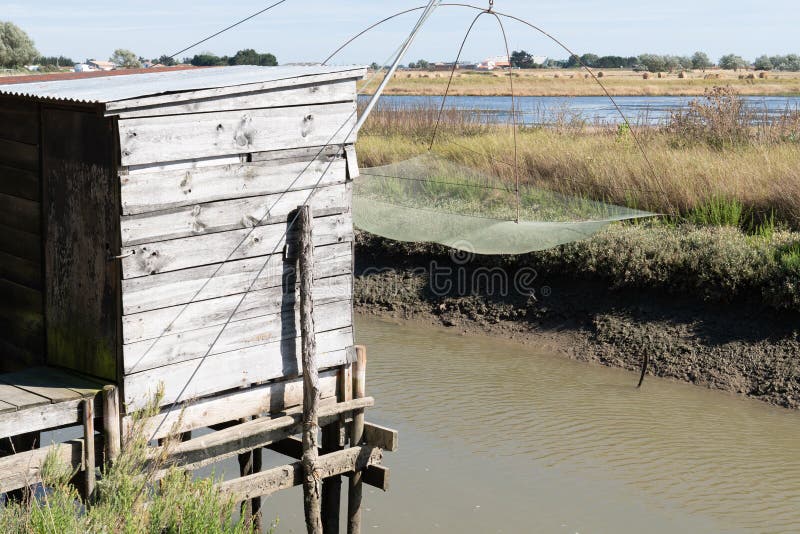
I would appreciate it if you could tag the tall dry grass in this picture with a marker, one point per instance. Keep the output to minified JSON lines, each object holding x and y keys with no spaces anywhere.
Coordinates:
{"x":711,"y":153}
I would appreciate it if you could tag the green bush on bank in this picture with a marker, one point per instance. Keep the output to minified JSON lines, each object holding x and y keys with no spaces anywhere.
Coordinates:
{"x":130,"y":498}
{"x":713,"y":263}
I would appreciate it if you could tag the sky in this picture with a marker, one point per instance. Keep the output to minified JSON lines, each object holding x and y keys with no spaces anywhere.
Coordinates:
{"x":308,"y":30}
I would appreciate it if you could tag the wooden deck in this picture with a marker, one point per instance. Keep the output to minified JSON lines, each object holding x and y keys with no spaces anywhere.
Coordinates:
{"x":39,"y":399}
{"x":43,"y":398}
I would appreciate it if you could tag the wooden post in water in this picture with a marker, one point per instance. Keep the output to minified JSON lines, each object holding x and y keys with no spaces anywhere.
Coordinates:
{"x":250,"y":463}
{"x":356,"y":435}
{"x":111,"y":422}
{"x":332,"y":441}
{"x":88,"y":447}
{"x":312,"y":483}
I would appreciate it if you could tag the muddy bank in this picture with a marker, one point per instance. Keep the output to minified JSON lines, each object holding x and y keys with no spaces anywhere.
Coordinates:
{"x":737,"y":347}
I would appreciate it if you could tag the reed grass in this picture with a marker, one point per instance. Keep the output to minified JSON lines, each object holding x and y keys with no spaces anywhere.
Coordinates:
{"x":129,"y":498}
{"x":713,"y":164}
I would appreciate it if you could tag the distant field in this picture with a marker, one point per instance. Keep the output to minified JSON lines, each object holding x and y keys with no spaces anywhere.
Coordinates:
{"x":577,"y":83}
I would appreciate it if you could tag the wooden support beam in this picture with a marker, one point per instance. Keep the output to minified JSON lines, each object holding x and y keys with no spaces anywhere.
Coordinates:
{"x":376,"y":476}
{"x":111,"y":423}
{"x":89,"y":460}
{"x":380,"y":436}
{"x":24,"y":468}
{"x":356,"y":435}
{"x":312,"y":482}
{"x":270,"y":398}
{"x":290,"y":475}
{"x":211,"y":448}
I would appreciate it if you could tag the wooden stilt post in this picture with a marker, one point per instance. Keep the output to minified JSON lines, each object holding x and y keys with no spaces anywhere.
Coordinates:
{"x":88,"y":447}
{"x":111,"y":423}
{"x":331,"y":442}
{"x":356,"y":435}
{"x":312,"y":483}
{"x":250,"y":463}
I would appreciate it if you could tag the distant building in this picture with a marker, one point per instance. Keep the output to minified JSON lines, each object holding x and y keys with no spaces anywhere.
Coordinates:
{"x":101,"y":65}
{"x":83,"y":67}
{"x":497,"y":62}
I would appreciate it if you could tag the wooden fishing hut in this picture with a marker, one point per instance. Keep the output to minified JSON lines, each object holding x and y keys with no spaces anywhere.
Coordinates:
{"x":155,"y":232}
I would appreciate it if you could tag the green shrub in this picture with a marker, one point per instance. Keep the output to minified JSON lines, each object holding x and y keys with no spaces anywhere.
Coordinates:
{"x":130,"y":497}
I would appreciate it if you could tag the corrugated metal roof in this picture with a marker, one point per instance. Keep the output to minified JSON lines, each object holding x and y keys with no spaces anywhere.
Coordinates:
{"x":100,"y":90}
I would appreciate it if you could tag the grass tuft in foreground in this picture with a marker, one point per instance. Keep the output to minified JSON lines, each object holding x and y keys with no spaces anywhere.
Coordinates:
{"x":137,"y":494}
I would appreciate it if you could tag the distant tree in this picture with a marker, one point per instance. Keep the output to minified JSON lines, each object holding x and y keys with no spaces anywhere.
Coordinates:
{"x":522,"y":60}
{"x":732,"y":62}
{"x":54,"y":61}
{"x":573,"y":61}
{"x":248,"y":56}
{"x":763,"y":63}
{"x":590,"y":60}
{"x":653,"y":62}
{"x":375,"y":66}
{"x":16,"y":48}
{"x":125,"y":59}
{"x":165,"y":60}
{"x":422,"y":64}
{"x":207,"y":59}
{"x":792,"y":62}
{"x":701,"y":61}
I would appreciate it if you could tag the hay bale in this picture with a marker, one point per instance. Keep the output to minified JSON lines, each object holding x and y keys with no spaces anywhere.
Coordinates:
{"x":660,"y":75}
{"x":763,"y":75}
{"x":585,"y":76}
{"x":646,"y":76}
{"x":556,"y":76}
{"x":682,"y":75}
{"x":600,"y":74}
{"x":751,"y":76}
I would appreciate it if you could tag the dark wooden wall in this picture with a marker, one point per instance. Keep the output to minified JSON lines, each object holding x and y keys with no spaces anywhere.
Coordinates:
{"x":81,"y":207}
{"x":21,"y":298}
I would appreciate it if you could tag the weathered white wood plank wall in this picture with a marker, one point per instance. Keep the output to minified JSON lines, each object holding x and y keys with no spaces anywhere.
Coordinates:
{"x":208,"y":189}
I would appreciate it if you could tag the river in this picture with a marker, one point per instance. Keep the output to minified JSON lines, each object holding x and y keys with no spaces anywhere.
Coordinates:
{"x":592,"y":109}
{"x":501,"y":437}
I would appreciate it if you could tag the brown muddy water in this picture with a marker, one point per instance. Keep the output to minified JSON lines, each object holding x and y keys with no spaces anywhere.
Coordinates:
{"x":497,"y":437}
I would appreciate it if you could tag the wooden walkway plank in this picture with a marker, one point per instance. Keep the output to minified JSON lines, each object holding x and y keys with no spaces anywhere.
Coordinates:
{"x":41,"y":417}
{"x":55,"y":385}
{"x":20,"y":398}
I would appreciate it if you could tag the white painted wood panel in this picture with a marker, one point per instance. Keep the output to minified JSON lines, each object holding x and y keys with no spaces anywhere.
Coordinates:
{"x":297,"y":96}
{"x":283,"y":324}
{"x":187,"y":317}
{"x":154,"y":191}
{"x":226,"y":215}
{"x":201,"y":250}
{"x":210,"y":281}
{"x":179,"y":137}
{"x":222,"y":372}
{"x":172,"y":98}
